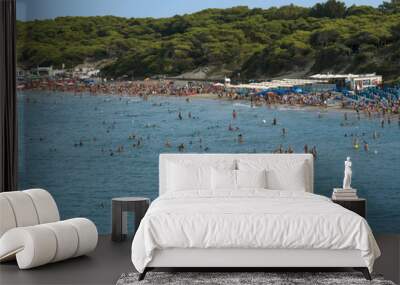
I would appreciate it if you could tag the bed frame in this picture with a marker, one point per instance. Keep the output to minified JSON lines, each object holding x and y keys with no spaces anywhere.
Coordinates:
{"x":249,"y":259}
{"x":246,"y":259}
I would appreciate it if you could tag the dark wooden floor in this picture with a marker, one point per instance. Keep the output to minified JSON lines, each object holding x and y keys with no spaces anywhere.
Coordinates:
{"x":110,"y":260}
{"x":103,"y":266}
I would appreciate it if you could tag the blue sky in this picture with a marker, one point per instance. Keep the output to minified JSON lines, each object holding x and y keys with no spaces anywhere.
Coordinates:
{"x":44,"y":9}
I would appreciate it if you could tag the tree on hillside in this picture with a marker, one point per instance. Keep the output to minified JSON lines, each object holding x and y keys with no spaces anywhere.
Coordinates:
{"x":329,"y":9}
{"x":390,"y":7}
{"x":324,"y":38}
{"x":395,"y":31}
{"x":360,"y":10}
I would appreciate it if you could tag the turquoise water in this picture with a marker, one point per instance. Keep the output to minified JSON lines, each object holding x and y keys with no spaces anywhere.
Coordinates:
{"x":83,"y":178}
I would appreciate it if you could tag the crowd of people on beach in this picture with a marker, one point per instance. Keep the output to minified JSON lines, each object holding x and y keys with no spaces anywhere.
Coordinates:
{"x":150,"y":87}
{"x":129,"y":88}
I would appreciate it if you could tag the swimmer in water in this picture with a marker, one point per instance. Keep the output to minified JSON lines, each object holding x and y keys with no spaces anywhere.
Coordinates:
{"x":181,"y":147}
{"x":190,"y":115}
{"x":167,"y":143}
{"x":240,"y":138}
{"x":356,"y":145}
{"x":314,"y":151}
{"x":284,"y":132}
{"x":180,"y":116}
{"x":234,"y":114}
{"x":366,"y":147}
{"x":274,"y":122}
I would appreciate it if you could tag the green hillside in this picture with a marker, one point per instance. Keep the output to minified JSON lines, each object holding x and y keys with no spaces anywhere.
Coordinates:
{"x":250,"y":43}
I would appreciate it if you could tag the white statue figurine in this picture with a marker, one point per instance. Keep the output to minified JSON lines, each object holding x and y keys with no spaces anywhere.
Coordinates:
{"x":347,"y":174}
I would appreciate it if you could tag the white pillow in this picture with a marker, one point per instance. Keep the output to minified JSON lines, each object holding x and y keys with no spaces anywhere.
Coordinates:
{"x":282,"y":174}
{"x":251,"y":179}
{"x":188,"y":177}
{"x":223,"y":179}
{"x":291,"y":179}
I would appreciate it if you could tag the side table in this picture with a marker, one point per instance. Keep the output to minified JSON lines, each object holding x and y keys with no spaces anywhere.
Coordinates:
{"x":358,"y":206}
{"x":120,"y":207}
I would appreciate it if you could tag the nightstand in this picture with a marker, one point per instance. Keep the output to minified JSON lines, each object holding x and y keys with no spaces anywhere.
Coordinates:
{"x":358,"y":206}
{"x":120,"y":207}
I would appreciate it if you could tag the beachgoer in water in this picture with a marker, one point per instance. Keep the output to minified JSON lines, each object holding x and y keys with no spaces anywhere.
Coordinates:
{"x":240,"y":138}
{"x":290,"y":149}
{"x":366,"y":146}
{"x":345,"y":116}
{"x":314,"y":151}
{"x":167,"y":143}
{"x":234,"y":114}
{"x":305,"y":148}
{"x":382,"y":123}
{"x":274,"y":122}
{"x":180,"y":116}
{"x":230,"y":127}
{"x":190,"y":115}
{"x":356,"y":144}
{"x":181,"y":147}
{"x":283,"y":131}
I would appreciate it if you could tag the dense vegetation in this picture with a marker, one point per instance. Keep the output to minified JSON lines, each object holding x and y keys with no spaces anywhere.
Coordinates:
{"x":250,"y":43}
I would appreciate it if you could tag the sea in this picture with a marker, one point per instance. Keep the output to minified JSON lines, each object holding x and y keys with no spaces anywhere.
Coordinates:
{"x":85,"y":149}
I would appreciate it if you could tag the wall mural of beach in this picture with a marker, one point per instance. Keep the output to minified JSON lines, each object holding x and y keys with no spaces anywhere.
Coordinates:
{"x":100,"y":97}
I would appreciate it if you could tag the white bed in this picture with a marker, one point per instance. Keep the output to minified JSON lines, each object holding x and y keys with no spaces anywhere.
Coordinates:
{"x":195,"y":223}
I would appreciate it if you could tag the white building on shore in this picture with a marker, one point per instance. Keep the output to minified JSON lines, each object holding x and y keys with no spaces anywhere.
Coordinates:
{"x":85,"y":72}
{"x":354,"y":82}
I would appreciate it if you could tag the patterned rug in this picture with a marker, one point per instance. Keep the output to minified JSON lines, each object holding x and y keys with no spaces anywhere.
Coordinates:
{"x":244,"y":278}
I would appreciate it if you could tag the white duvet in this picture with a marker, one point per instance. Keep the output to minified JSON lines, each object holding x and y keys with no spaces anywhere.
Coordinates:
{"x":250,"y":219}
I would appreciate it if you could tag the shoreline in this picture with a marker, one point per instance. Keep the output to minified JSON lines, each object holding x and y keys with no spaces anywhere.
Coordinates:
{"x":144,"y":89}
{"x":211,"y":96}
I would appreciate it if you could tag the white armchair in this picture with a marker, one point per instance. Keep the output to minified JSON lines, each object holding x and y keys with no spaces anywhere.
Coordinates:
{"x":32,"y":233}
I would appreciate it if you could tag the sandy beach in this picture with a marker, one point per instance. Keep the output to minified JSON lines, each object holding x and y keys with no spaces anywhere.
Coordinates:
{"x":210,"y":90}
